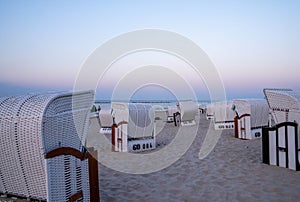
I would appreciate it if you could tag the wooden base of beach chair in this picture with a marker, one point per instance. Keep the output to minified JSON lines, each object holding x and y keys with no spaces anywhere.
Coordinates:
{"x":280,"y":145}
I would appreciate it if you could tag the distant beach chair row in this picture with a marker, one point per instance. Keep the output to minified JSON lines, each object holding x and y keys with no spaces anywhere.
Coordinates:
{"x":133,"y":125}
{"x":162,"y":116}
{"x":42,"y":151}
{"x":275,"y":119}
{"x":249,"y":118}
{"x":246,"y":116}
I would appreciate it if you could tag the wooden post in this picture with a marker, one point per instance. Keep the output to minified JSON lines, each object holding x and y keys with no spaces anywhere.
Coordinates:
{"x":265,"y":146}
{"x":93,"y":175}
{"x":236,"y":127}
{"x":113,"y":136}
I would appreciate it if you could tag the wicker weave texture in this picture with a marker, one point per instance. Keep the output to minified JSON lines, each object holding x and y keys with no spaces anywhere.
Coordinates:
{"x":140,"y":118}
{"x":221,"y":111}
{"x":188,"y":110}
{"x":33,"y":125}
{"x":257,"y":108}
{"x":284,"y":104}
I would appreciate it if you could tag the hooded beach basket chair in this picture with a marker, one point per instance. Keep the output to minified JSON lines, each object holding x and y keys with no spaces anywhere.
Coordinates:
{"x":223,"y":116}
{"x":187,"y":111}
{"x":42,"y":151}
{"x":106,"y":121}
{"x":251,"y":116}
{"x":280,"y":142}
{"x":133,"y":128}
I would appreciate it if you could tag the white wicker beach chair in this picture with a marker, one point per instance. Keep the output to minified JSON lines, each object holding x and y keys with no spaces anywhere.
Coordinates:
{"x":106,"y":121}
{"x":284,"y":105}
{"x":252,"y":117}
{"x":210,"y":111}
{"x":223,"y":116}
{"x":42,"y":142}
{"x":280,"y":144}
{"x":171,"y":111}
{"x":188,"y":111}
{"x":134,"y":127}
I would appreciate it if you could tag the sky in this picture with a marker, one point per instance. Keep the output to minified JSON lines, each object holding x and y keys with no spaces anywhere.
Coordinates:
{"x":253,"y":44}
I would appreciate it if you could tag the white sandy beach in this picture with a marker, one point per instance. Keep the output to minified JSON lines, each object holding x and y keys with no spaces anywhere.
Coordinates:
{"x":233,"y":171}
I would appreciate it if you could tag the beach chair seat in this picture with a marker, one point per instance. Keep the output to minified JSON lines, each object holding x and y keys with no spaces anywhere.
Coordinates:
{"x":188,"y":111}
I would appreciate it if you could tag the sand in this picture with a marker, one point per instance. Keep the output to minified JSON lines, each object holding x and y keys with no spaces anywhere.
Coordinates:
{"x":233,"y":171}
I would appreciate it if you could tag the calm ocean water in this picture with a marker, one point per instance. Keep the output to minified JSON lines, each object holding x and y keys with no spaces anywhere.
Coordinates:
{"x":104,"y":104}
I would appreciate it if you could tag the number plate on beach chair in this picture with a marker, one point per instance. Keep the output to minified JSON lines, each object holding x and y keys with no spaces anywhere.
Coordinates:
{"x":141,"y":145}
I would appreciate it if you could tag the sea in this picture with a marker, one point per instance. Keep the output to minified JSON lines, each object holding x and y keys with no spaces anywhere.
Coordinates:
{"x":106,"y":104}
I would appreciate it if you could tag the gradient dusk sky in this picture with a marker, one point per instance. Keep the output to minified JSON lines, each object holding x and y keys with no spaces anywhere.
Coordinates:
{"x":253,"y":44}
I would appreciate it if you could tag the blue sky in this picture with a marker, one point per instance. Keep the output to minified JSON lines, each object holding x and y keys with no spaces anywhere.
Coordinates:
{"x":253,"y":44}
